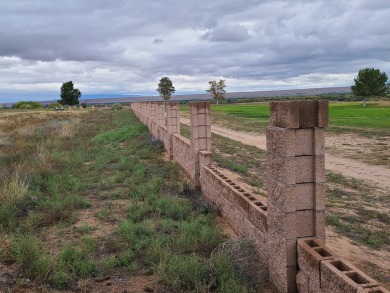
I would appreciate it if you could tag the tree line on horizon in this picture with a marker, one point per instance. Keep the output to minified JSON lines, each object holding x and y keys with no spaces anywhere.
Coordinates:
{"x":369,"y":82}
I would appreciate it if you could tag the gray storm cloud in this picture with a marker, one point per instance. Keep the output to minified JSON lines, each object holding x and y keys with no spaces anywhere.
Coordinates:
{"x":128,"y":45}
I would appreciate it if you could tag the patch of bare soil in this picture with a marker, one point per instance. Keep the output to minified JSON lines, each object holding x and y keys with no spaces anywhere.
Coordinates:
{"x":375,"y":263}
{"x":373,"y":151}
{"x":122,"y":283}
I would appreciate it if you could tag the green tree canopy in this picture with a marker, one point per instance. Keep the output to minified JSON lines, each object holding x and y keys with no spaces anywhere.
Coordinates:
{"x":165,"y":88}
{"x":69,"y":95}
{"x":27,"y":105}
{"x":217,"y":89}
{"x":370,"y":82}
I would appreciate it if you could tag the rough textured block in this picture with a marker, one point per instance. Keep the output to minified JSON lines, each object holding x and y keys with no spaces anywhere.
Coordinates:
{"x":284,"y":278}
{"x":291,"y":225}
{"x":302,"y":282}
{"x":311,"y":252}
{"x":205,"y":158}
{"x":281,"y":141}
{"x":299,"y":114}
{"x":290,"y":198}
{"x":173,"y":118}
{"x":261,"y":240}
{"x":293,"y":170}
{"x":305,"y":168}
{"x":284,"y":114}
{"x":281,"y":169}
{"x":284,"y":249}
{"x":204,"y":131}
{"x":323,"y":113}
{"x":374,"y":290}
{"x":319,"y":141}
{"x":240,"y":202}
{"x":307,"y":114}
{"x":341,"y":276}
{"x":320,"y":196}
{"x":258,"y":216}
{"x":319,"y":169}
{"x":320,"y":224}
{"x":304,"y":142}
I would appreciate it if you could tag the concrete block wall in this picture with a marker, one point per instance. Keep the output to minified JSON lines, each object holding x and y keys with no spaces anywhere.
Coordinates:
{"x":200,"y":127}
{"x":289,"y":227}
{"x":244,"y":211}
{"x":296,"y":178}
{"x":183,"y":155}
{"x":321,"y":270}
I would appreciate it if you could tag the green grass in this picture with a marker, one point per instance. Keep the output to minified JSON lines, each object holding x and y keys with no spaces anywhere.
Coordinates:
{"x":228,"y":164}
{"x":355,"y":229}
{"x":375,"y":115}
{"x":343,"y":117}
{"x":112,"y":169}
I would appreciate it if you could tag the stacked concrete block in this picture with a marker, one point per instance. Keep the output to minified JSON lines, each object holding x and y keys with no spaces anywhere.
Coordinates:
{"x":143,"y":110}
{"x":149,"y":114}
{"x":338,"y":275}
{"x":173,"y":117}
{"x":153,"y":119}
{"x":311,"y":252}
{"x":160,"y":117}
{"x":143,"y":113}
{"x":173,"y":125}
{"x":200,"y":132}
{"x":296,"y":177}
{"x":183,"y":155}
{"x":321,"y":271}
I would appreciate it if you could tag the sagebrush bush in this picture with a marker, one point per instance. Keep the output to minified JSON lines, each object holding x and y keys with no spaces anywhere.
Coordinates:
{"x":116,"y":107}
{"x":28,"y":252}
{"x":188,"y":272}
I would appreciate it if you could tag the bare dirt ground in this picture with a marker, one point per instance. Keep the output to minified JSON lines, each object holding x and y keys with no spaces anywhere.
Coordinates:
{"x":345,"y":154}
{"x":337,"y":163}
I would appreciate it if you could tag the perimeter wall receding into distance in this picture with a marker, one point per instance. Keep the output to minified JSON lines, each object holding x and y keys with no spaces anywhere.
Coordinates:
{"x":289,"y":227}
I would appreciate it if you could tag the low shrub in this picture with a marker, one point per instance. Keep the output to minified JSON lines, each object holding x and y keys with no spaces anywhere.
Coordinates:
{"x":27,"y":105}
{"x":188,"y":272}
{"x":116,"y":107}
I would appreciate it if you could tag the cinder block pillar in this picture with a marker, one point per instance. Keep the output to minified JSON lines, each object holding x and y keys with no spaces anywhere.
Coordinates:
{"x":160,"y":117}
{"x":145,"y":113}
{"x":173,"y":124}
{"x":200,"y":132}
{"x":149,"y":115}
{"x":173,"y":117}
{"x":296,"y":183}
{"x":153,"y":114}
{"x":160,"y":113}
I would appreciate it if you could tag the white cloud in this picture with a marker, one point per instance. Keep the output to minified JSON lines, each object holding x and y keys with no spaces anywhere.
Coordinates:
{"x":126,"y":46}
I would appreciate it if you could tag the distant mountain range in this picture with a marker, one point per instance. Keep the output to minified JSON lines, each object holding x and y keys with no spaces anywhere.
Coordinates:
{"x":118,"y":98}
{"x":235,"y":95}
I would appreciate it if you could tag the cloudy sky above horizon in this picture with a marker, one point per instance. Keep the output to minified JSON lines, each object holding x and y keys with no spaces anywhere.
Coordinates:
{"x":126,"y":46}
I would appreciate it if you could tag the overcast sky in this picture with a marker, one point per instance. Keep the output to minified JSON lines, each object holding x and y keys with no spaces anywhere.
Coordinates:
{"x":126,"y":46}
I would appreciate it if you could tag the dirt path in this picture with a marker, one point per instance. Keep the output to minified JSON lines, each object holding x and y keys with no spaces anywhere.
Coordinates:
{"x":348,"y":167}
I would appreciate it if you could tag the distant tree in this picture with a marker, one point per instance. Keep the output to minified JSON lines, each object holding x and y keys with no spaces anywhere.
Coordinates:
{"x":69,"y":95}
{"x":165,"y":88}
{"x":217,"y":89}
{"x":370,"y":82}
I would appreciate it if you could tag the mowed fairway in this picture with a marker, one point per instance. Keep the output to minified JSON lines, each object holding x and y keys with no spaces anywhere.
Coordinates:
{"x":343,"y":117}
